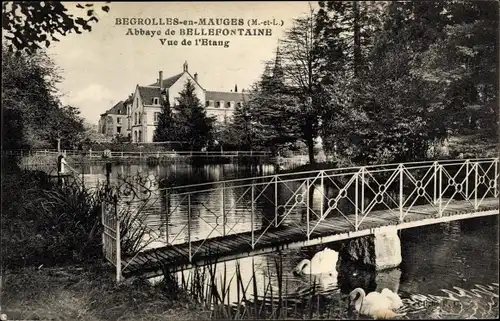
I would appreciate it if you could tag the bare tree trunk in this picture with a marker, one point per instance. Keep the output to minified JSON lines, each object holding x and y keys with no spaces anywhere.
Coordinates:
{"x":357,"y":40}
{"x":310,"y":149}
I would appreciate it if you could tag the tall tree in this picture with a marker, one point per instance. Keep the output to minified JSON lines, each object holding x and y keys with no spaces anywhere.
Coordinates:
{"x":273,"y":110}
{"x":242,"y":130}
{"x":301,"y":67}
{"x":194,"y":125}
{"x":67,"y":126}
{"x":463,"y":66}
{"x":166,"y":128}
{"x":29,"y":99}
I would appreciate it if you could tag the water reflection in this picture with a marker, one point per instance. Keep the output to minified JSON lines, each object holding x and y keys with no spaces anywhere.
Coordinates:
{"x":430,"y":280}
{"x":448,"y":271}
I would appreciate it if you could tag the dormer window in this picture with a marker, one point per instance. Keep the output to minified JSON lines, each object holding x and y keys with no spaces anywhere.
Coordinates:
{"x":156,"y":101}
{"x":221,"y":103}
{"x":239,"y":104}
{"x":230,"y":104}
{"x":217,"y":104}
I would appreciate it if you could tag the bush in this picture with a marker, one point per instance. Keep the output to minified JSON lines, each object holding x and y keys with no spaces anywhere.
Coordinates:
{"x":46,"y":223}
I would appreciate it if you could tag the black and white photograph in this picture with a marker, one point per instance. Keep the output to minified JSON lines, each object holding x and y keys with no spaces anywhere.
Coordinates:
{"x":250,"y":160}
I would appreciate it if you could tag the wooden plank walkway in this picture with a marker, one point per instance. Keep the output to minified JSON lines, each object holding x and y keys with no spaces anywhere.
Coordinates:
{"x":234,"y":246}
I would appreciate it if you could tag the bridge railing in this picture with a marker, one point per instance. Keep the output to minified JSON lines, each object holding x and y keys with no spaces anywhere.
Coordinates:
{"x":260,"y":206}
{"x":128,"y":154}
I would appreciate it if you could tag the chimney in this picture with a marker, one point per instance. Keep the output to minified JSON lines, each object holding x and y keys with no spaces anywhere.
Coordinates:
{"x":235,"y":88}
{"x":185,"y":66}
{"x":160,"y":79}
{"x":196,"y":76}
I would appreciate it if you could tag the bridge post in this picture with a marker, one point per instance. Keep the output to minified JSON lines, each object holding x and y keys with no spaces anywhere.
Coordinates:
{"x":475,"y":185}
{"x":118,"y":241}
{"x":440,"y":191}
{"x":276,"y":201}
{"x":401,"y":167}
{"x":307,"y":210}
{"x":356,"y":197}
{"x":467,"y":179}
{"x":167,"y":214}
{"x":495,"y":186}
{"x":322,"y":204}
{"x":252,"y":213}
{"x":435,"y":181}
{"x":189,"y":226}
{"x":223,"y":207}
{"x":379,"y":251}
{"x":363,"y":191}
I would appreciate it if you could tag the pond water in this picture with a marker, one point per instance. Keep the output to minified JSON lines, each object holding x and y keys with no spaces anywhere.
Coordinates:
{"x":449,"y":270}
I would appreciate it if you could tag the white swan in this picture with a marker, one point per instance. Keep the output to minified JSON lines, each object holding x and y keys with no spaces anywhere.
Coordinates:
{"x":396,"y":302}
{"x":376,"y":305}
{"x":322,"y":262}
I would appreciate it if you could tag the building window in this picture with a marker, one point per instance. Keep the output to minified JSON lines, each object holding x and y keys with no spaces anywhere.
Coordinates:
{"x":239,"y":104}
{"x":157,"y":117}
{"x":135,"y":118}
{"x":137,"y":101}
{"x":207,"y":103}
{"x":118,"y":130}
{"x":118,"y":120}
{"x":156,"y":101}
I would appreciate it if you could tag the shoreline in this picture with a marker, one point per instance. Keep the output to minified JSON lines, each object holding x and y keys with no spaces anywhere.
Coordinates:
{"x":78,"y":292}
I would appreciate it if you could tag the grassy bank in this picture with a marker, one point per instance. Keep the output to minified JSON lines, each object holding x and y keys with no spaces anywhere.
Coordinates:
{"x":90,"y":293}
{"x":51,"y":257}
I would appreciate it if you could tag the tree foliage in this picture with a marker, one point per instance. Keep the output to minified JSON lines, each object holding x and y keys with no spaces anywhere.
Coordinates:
{"x":423,"y":76}
{"x":191,"y":121}
{"x":165,"y":129}
{"x":301,"y":61}
{"x":28,"y":25}
{"x":271,"y":111}
{"x":32,"y":115}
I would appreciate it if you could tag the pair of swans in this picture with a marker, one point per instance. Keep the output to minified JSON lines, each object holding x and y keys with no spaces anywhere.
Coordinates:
{"x":322,"y":262}
{"x":377,"y":305}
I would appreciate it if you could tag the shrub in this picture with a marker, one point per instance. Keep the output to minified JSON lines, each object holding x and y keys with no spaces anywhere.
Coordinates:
{"x":44,"y":222}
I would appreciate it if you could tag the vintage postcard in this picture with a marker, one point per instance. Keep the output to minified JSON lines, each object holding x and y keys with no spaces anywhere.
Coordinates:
{"x":249,"y":160}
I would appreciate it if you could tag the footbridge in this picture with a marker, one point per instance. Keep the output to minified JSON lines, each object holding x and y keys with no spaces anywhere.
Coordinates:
{"x":225,"y":220}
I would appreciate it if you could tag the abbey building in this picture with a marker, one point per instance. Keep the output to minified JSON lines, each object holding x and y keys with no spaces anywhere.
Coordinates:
{"x":138,"y":115}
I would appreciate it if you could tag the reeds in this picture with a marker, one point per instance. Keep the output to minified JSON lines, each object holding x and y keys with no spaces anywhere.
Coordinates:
{"x":254,"y":299}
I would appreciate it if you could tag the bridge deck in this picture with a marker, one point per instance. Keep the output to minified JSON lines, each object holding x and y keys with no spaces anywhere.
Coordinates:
{"x":331,"y":229}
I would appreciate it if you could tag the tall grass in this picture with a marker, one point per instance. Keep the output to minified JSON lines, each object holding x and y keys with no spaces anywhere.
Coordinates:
{"x":48,"y":222}
{"x":211,"y":288}
{"x":44,"y":222}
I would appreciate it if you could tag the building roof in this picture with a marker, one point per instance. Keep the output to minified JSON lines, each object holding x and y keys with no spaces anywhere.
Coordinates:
{"x":118,"y":109}
{"x":148,"y":93}
{"x":226,"y":96}
{"x":167,"y":83}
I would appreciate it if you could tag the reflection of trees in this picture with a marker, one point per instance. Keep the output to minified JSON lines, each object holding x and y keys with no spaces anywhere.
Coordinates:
{"x":457,"y":254}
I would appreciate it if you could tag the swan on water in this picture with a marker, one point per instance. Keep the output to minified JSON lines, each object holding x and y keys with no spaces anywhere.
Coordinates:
{"x":322,"y":262}
{"x":396,"y":302}
{"x":376,"y":305}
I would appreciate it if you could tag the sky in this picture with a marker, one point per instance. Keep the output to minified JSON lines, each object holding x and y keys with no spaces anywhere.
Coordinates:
{"x":103,"y":66}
